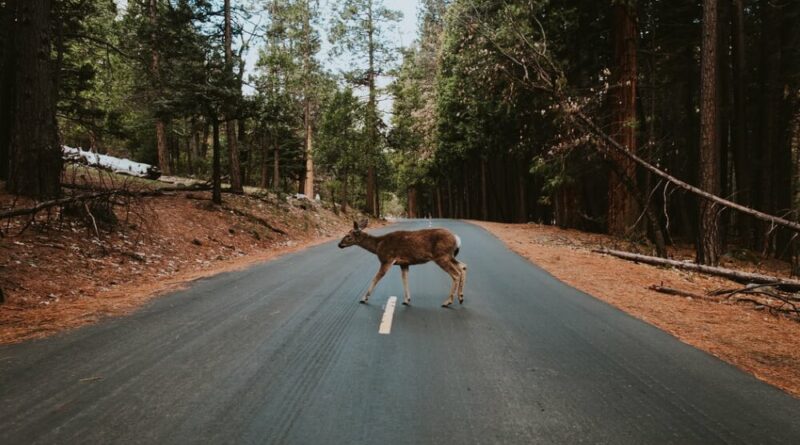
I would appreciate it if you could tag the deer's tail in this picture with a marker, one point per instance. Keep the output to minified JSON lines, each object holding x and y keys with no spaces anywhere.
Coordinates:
{"x":458,"y":245}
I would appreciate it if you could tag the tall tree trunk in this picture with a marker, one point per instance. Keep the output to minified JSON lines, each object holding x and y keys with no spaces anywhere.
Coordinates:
{"x":795,"y":149}
{"x":621,"y":205}
{"x":743,"y":168}
{"x":204,"y":145}
{"x":450,"y":209}
{"x":308,"y":188}
{"x":155,"y":72}
{"x":8,"y":14}
{"x":467,"y":209}
{"x":230,"y":122}
{"x":372,"y":118}
{"x":345,"y":196}
{"x":412,"y":202}
{"x":35,"y":154}
{"x":216,"y":175}
{"x":522,"y":209}
{"x":724,"y":97}
{"x":244,"y":151}
{"x":189,"y":148}
{"x":438,"y":202}
{"x":264,"y":183}
{"x":276,"y":165}
{"x":708,"y":246}
{"x":484,"y":202}
{"x":771,"y":92}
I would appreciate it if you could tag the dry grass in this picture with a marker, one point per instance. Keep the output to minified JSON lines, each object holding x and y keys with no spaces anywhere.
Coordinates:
{"x":762,"y":344}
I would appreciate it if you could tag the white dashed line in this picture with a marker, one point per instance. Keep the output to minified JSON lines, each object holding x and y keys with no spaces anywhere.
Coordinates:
{"x":386,"y":321}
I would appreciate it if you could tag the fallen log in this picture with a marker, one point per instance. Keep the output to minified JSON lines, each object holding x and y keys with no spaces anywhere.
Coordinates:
{"x":731,"y":274}
{"x":672,"y":291}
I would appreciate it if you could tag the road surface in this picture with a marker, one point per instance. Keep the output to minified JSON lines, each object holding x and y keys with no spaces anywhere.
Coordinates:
{"x":283,"y":353}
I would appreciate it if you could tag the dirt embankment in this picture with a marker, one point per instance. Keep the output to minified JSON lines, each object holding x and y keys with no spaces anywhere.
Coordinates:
{"x":760,"y":343}
{"x":56,"y":273}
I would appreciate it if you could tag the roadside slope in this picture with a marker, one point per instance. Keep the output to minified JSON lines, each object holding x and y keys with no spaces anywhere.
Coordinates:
{"x":57,"y":273}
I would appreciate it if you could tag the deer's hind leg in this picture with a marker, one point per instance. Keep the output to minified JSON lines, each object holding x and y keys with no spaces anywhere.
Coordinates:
{"x":462,"y":267}
{"x":455,"y":273}
{"x":406,"y":292}
{"x":381,"y":272}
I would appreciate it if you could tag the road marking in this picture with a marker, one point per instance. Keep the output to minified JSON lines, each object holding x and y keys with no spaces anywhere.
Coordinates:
{"x":386,"y":321}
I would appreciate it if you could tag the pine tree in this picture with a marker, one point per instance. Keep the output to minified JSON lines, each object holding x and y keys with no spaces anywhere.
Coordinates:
{"x":360,"y":28}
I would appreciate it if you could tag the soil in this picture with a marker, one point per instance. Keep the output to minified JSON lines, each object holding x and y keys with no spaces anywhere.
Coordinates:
{"x":57,"y":272}
{"x":758,"y":342}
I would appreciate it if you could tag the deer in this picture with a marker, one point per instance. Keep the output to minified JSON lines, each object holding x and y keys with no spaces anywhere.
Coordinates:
{"x":409,"y":248}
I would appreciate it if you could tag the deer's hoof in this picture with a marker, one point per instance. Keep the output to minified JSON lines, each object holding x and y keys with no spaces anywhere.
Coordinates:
{"x":406,"y":303}
{"x":363,"y":301}
{"x":446,"y":305}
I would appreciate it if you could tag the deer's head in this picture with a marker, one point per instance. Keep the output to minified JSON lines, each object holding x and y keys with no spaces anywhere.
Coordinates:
{"x":354,"y":236}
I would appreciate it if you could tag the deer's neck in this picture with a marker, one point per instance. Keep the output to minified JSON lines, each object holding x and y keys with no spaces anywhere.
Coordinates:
{"x":370,"y":243}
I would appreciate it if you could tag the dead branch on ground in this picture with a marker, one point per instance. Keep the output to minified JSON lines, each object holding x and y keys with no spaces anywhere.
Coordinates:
{"x":731,"y":274}
{"x":255,"y":219}
{"x":672,"y":291}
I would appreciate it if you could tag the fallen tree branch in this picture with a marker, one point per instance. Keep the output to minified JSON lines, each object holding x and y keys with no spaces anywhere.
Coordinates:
{"x":590,"y":125}
{"x":255,"y":219}
{"x":672,"y":291}
{"x":735,"y":275}
{"x":53,"y":203}
{"x":23,"y":211}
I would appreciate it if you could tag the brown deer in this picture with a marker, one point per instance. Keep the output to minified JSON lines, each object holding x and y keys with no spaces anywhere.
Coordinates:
{"x":407,"y":248}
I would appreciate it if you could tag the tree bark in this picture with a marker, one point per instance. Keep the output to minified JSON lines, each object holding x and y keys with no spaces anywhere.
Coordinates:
{"x":621,"y":205}
{"x":35,"y":154}
{"x":308,"y":188}
{"x":708,"y":245}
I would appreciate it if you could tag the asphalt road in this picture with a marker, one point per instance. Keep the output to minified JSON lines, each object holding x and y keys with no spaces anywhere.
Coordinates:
{"x":283,"y":353}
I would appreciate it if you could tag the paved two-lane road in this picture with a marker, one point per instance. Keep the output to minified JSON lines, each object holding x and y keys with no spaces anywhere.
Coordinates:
{"x":283,"y":353}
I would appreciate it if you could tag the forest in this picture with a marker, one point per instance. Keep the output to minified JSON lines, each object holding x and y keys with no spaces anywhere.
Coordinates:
{"x":660,"y":122}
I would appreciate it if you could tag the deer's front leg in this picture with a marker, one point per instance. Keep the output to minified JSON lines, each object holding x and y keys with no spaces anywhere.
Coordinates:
{"x":406,"y":293}
{"x":381,"y":272}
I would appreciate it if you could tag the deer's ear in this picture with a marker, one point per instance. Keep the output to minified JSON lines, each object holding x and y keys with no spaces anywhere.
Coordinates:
{"x":363,"y":224}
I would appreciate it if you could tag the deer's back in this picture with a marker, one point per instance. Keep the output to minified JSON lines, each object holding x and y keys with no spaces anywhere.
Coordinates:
{"x":407,"y":247}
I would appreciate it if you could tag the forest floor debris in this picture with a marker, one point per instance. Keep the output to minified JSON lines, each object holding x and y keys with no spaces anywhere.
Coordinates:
{"x":58,"y":274}
{"x":756,"y":341}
